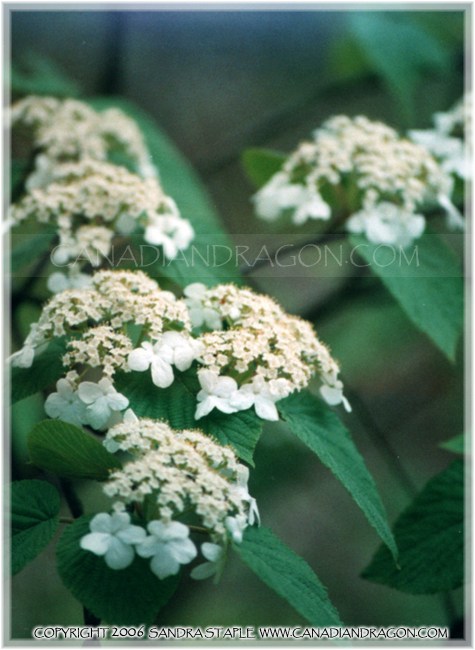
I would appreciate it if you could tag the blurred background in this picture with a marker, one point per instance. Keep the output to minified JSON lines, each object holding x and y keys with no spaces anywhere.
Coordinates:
{"x":218,"y":82}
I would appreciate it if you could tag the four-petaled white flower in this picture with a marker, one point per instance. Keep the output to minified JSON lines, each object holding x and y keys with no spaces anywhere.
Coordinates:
{"x":173,"y":349}
{"x":169,"y":546}
{"x":216,"y":557}
{"x":263,"y":395}
{"x":114,"y":537}
{"x":219,"y":392}
{"x":24,"y":357}
{"x":102,"y":400}
{"x":387,"y":223}
{"x":170,"y":231}
{"x":65,"y":404}
{"x":58,"y":282}
{"x":332,"y":392}
{"x":199,"y":315}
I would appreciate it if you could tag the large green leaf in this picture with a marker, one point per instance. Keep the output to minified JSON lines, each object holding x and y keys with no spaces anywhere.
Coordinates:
{"x":34,"y":520}
{"x":70,"y":452}
{"x":321,"y":430}
{"x":47,"y":368}
{"x":131,"y":596}
{"x":400,"y":51}
{"x":201,"y":262}
{"x":287,"y":574}
{"x":177,"y":405}
{"x":426,"y":280}
{"x":261,"y":164}
{"x":430,"y":538}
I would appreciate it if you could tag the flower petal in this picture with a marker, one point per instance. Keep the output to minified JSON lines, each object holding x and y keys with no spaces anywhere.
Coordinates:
{"x":162,"y":373}
{"x":212,"y":552}
{"x":119,"y":555}
{"x":132,"y":535}
{"x":182,"y":550}
{"x":140,"y":359}
{"x":163,"y":565}
{"x":203,"y":571}
{"x":89,"y":392}
{"x":266,"y":409}
{"x":101,"y":523}
{"x":97,"y":543}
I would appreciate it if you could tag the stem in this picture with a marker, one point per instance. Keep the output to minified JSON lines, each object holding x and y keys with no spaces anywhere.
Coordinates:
{"x":72,"y":499}
{"x":66,"y":520}
{"x":199,"y":529}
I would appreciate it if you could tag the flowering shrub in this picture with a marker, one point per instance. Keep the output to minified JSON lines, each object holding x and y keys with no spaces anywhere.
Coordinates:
{"x":156,"y":392}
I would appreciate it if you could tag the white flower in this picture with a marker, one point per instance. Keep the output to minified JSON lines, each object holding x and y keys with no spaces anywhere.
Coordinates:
{"x":113,"y":536}
{"x":58,"y":281}
{"x":216,"y":557}
{"x":387,"y":223}
{"x":172,"y":349}
{"x":24,"y":357}
{"x":65,"y":404}
{"x":277,"y":195}
{"x":170,"y":231}
{"x":242,"y":491}
{"x":236,"y":527}
{"x":332,"y":392}
{"x":312,"y":206}
{"x":43,"y":173}
{"x":169,"y":546}
{"x":112,"y":445}
{"x":263,"y":395}
{"x":218,"y":392}
{"x":102,"y":401}
{"x":200,"y":315}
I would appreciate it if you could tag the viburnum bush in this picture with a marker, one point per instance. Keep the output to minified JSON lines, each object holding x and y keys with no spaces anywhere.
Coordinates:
{"x":157,"y":381}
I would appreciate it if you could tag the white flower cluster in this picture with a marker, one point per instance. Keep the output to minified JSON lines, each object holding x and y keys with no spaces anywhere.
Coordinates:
{"x":448,"y":143}
{"x":257,"y":355}
{"x":97,"y":321}
{"x":90,"y":202}
{"x":361,"y":171}
{"x":69,"y":130}
{"x":172,"y":474}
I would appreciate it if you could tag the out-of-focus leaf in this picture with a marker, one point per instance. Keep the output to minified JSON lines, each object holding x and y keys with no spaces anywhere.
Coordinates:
{"x":456,"y":444}
{"x":38,"y":75}
{"x":261,"y":164}
{"x":430,"y":538}
{"x":427,"y":282}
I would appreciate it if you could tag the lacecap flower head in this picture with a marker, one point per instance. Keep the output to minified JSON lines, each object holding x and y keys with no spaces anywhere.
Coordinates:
{"x":363,"y":173}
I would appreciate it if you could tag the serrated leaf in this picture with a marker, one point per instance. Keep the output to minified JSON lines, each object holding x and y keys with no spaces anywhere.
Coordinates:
{"x":240,"y":430}
{"x":261,"y":164}
{"x":34,"y":520}
{"x":287,"y":574}
{"x":182,"y":183}
{"x":177,"y":405}
{"x":321,"y":430}
{"x":430,"y":538}
{"x":46,"y":369}
{"x":131,"y":596}
{"x":456,"y":444}
{"x":427,"y":283}
{"x":70,"y":452}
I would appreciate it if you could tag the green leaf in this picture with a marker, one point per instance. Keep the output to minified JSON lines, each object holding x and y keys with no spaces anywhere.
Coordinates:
{"x":456,"y":444}
{"x":34,"y":520}
{"x":320,"y":429}
{"x":201,"y":263}
{"x":39,"y":75}
{"x":241,"y":430}
{"x":131,"y":596}
{"x":177,"y":405}
{"x":400,"y":51}
{"x":47,"y":368}
{"x":426,"y":280}
{"x":70,"y":452}
{"x":261,"y":164}
{"x":430,"y":537}
{"x":288,"y":575}
{"x":30,"y":248}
